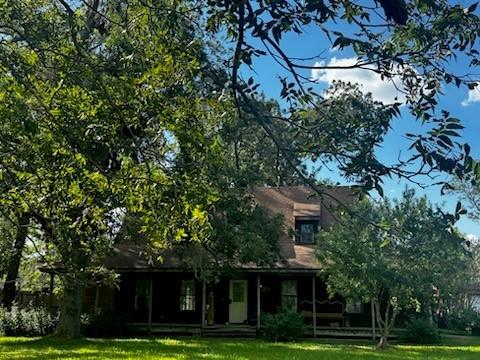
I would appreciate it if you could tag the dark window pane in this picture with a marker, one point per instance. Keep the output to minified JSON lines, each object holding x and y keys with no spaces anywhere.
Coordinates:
{"x":141,"y":301}
{"x":306,"y":230}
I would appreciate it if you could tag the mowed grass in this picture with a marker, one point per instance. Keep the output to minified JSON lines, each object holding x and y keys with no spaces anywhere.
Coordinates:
{"x":210,"y":349}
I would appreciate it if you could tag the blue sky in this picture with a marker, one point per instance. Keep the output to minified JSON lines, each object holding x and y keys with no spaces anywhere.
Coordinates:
{"x":312,"y":43}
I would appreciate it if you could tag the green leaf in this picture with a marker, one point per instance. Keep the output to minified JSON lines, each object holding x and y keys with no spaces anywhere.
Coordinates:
{"x":384,"y":243}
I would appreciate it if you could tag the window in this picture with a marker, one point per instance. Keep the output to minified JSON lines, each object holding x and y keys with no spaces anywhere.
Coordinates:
{"x":142,"y":294}
{"x":289,"y":295}
{"x":354,"y":307}
{"x":187,"y":295}
{"x":238,"y":291}
{"x":305,"y":231}
{"x":141,"y":300}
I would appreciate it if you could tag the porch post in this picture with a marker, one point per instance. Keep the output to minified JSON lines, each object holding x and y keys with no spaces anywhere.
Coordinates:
{"x":314,"y":308}
{"x":50,"y":291}
{"x":374,"y":335}
{"x":258,"y":302}
{"x":150,"y":302}
{"x":97,"y":296}
{"x":204,"y":302}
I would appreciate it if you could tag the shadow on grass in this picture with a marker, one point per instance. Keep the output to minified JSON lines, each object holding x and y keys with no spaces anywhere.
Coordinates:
{"x":212,"y":349}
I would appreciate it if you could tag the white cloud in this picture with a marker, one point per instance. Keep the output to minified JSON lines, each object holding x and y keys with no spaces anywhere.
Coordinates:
{"x":473,"y":96}
{"x":370,"y":82}
{"x":472,"y":237}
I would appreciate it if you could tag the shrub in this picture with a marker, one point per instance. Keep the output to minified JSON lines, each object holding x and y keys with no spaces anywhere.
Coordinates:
{"x":28,"y":321}
{"x":103,"y":323}
{"x":284,"y":326}
{"x":466,"y":319}
{"x":420,"y":332}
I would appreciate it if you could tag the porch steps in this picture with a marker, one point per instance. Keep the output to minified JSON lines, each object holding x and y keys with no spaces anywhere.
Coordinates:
{"x":164,"y":329}
{"x":230,"y":331}
{"x":193,"y":330}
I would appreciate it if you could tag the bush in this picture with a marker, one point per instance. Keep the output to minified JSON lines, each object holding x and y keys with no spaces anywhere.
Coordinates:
{"x":103,"y":323}
{"x":27,"y":321}
{"x":284,"y":326}
{"x":420,"y":332}
{"x":465,"y":320}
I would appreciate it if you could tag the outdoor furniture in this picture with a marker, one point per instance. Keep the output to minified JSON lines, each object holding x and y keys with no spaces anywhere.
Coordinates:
{"x":326,"y":310}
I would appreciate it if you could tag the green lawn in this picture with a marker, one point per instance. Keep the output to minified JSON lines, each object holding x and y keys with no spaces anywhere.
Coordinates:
{"x":212,"y":349}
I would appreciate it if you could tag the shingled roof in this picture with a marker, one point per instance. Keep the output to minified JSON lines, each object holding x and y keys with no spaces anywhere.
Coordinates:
{"x":288,"y":201}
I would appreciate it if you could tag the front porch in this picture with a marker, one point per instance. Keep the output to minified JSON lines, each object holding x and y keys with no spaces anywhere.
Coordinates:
{"x":176,"y":303}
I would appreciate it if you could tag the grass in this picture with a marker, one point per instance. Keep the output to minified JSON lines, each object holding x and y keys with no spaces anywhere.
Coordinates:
{"x":238,"y":349}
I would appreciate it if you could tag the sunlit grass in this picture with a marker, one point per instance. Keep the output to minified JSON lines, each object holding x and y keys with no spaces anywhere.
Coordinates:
{"x":235,"y":349}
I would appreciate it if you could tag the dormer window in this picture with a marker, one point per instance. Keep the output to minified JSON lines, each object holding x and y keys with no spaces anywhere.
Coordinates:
{"x":306,"y":229}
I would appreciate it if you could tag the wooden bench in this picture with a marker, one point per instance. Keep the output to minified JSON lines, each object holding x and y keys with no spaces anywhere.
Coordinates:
{"x":338,"y":315}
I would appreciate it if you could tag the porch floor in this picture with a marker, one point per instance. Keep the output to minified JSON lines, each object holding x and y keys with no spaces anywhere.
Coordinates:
{"x":241,"y":330}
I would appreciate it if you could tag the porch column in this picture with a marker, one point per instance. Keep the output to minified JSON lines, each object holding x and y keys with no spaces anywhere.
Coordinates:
{"x":314,"y":308}
{"x":150,"y":302}
{"x":258,"y":301}
{"x":50,"y":291}
{"x":374,"y":335}
{"x":204,"y":302}
{"x":97,"y":296}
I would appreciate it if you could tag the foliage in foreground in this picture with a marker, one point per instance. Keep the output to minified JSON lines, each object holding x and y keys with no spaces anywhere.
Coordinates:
{"x":464,"y":319}
{"x":233,"y":349}
{"x":419,"y":331}
{"x":283,"y":326}
{"x":26,"y":321}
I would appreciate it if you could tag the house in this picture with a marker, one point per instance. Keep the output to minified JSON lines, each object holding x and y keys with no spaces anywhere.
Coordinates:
{"x":166,"y":296}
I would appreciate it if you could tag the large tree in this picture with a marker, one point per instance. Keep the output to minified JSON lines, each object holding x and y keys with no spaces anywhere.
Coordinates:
{"x":405,"y":258}
{"x":121,"y":119}
{"x":88,"y":137}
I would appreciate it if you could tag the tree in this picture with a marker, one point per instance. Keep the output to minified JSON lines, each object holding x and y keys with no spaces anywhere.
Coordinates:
{"x":14,"y":251}
{"x":105,"y":130}
{"x":7,"y":235}
{"x":411,"y":45}
{"x":253,"y":156}
{"x":406,"y":255}
{"x":88,"y":135}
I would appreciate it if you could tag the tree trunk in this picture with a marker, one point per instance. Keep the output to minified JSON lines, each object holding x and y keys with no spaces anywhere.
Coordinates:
{"x":69,"y":324}
{"x":383,"y":343}
{"x":74,"y":280}
{"x":10,"y":288}
{"x":385,"y":322}
{"x":75,"y":261}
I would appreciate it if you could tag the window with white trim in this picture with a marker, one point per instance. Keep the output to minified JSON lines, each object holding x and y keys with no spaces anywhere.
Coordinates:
{"x":289,"y":295}
{"x":187,"y":295}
